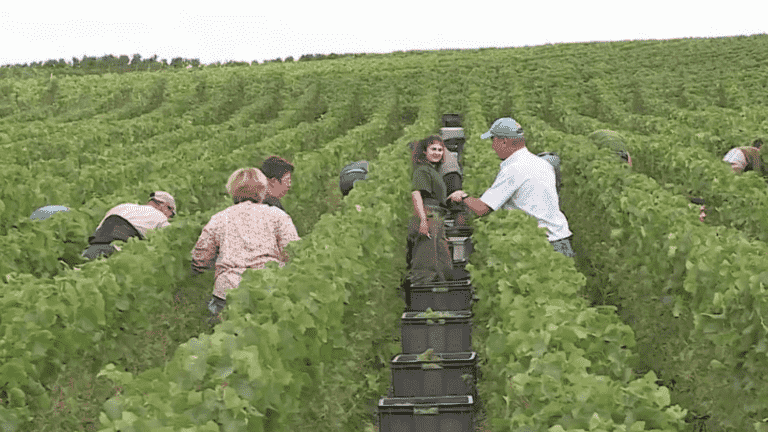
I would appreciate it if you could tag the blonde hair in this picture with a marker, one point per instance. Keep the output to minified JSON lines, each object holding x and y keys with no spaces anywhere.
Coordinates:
{"x":247,"y":183}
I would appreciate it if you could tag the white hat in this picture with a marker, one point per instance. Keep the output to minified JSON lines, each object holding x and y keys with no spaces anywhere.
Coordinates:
{"x":504,"y":128}
{"x":164,"y":197}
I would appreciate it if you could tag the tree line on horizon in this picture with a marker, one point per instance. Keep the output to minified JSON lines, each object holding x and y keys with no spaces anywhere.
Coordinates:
{"x":123,"y":64}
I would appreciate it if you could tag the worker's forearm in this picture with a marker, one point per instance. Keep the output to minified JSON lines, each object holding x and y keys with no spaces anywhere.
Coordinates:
{"x":418,"y":205}
{"x":477,"y":206}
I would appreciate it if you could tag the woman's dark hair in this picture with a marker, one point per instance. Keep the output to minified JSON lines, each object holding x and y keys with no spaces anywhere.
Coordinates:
{"x":275,"y":167}
{"x":758,"y":142}
{"x":418,"y":155}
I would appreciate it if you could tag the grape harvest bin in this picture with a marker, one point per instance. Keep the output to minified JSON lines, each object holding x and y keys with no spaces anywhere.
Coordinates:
{"x":454,"y":140}
{"x":442,"y":296}
{"x":449,"y":334}
{"x":427,"y":414}
{"x":451,"y":120}
{"x":442,"y":374}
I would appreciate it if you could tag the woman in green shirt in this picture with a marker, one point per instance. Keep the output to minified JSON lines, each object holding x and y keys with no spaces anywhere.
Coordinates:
{"x":431,"y":260}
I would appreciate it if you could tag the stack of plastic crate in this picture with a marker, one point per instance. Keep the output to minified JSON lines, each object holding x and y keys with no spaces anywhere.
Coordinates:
{"x":453,"y":135}
{"x":434,"y":377}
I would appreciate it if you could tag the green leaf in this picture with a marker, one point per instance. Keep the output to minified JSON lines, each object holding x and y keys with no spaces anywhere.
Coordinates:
{"x":113,"y":408}
{"x":18,"y":397}
{"x":122,"y":304}
{"x":231,"y":400}
{"x":661,"y":397}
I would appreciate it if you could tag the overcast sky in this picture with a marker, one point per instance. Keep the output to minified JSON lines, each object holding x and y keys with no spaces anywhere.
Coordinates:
{"x":223,"y":30}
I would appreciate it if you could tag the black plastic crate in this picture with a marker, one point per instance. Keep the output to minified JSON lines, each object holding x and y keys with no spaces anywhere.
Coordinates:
{"x":454,"y":139}
{"x":456,"y":147}
{"x":450,"y":333}
{"x":439,"y":296}
{"x":449,"y":133}
{"x":456,"y":221}
{"x":451,"y":120}
{"x":427,"y":414}
{"x":458,"y":230}
{"x":434,"y":374}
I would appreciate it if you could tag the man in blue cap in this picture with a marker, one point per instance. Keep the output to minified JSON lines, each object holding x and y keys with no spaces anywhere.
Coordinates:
{"x":525,"y":182}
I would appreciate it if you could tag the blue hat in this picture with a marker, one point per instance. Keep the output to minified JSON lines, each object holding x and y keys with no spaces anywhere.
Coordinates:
{"x":45,"y":212}
{"x":504,"y":128}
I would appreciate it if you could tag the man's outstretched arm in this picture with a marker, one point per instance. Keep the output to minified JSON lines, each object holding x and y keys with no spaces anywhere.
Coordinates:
{"x":475,"y":204}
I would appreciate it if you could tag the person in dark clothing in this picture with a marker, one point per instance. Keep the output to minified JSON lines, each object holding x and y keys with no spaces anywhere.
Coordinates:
{"x":351,"y":174}
{"x":449,"y":169}
{"x":278,"y":172}
{"x":429,"y":255}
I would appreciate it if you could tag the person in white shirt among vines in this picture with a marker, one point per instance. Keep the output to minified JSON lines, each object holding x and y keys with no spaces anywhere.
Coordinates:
{"x":130,"y":220}
{"x":747,"y":158}
{"x":524,"y":182}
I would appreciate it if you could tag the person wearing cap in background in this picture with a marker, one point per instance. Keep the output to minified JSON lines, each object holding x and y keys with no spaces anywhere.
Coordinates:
{"x":554,"y":160}
{"x":608,"y":138}
{"x":746,"y":158}
{"x":44,"y":213}
{"x":351,"y":174}
{"x":525,"y":182}
{"x":278,"y":172}
{"x":130,"y":220}
{"x":248,"y":234}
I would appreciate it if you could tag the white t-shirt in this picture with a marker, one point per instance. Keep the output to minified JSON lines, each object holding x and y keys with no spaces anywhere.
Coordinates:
{"x":142,"y":217}
{"x":527,"y":182}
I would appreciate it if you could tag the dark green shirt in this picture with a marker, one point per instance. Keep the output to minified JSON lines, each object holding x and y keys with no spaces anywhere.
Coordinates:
{"x":426,"y":178}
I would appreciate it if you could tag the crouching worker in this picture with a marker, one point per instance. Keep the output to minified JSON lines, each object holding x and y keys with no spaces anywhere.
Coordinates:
{"x":351,"y":174}
{"x":747,"y":158}
{"x":130,"y":220}
{"x":429,"y":257}
{"x":605,"y":138}
{"x":246,"y":235}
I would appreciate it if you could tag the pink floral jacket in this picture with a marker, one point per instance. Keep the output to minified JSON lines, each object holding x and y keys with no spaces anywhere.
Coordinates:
{"x":245,"y":235}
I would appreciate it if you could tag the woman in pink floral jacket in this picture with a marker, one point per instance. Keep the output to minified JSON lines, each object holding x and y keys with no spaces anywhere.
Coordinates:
{"x":246,"y":235}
